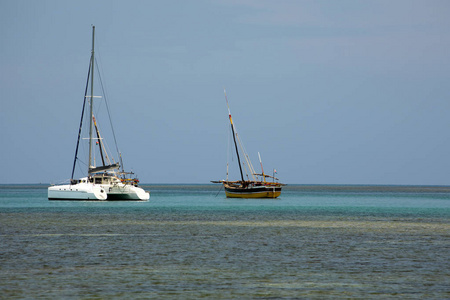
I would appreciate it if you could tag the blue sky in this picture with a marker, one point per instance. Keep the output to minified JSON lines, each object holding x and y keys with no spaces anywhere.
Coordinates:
{"x":329,"y":92}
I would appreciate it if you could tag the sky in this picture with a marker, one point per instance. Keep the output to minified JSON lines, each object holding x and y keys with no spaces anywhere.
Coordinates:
{"x":329,"y":92}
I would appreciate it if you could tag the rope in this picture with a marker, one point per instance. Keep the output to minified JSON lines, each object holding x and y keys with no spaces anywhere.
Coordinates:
{"x":107,"y":109}
{"x":81,"y":122}
{"x":219,"y":190}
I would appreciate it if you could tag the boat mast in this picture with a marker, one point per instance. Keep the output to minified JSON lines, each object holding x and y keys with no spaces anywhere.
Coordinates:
{"x":91,"y":102}
{"x":262,"y":170}
{"x":234,"y":138}
{"x":99,"y":141}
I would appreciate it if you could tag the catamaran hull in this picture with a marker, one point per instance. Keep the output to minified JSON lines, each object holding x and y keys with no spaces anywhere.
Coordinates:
{"x":126,"y":192}
{"x":255,"y":192}
{"x":97,"y":192}
{"x":77,"y":192}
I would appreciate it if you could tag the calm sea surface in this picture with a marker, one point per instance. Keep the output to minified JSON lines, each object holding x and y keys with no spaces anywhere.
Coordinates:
{"x":190,"y":242}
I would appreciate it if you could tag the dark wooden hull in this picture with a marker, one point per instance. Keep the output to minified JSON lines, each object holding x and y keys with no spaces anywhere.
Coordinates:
{"x":261,"y":191}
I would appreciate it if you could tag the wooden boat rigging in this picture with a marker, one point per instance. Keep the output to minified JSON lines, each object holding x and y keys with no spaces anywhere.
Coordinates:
{"x":248,"y":188}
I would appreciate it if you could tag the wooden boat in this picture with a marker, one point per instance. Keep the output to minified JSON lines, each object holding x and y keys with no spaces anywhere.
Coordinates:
{"x":252,"y":187}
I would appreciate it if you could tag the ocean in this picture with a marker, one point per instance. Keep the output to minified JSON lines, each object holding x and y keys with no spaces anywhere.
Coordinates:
{"x":191,"y":242}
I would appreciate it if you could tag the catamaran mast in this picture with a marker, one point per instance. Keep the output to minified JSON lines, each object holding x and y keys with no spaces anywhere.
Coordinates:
{"x":234,"y":137}
{"x":91,"y":114}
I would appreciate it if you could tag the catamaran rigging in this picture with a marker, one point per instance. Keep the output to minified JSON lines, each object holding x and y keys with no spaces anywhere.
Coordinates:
{"x":102,"y":182}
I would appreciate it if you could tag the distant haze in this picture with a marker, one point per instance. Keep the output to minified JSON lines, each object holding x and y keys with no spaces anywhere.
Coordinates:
{"x":329,"y":92}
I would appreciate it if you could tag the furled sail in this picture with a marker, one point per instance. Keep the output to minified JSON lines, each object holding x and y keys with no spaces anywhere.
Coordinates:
{"x":103,"y":168}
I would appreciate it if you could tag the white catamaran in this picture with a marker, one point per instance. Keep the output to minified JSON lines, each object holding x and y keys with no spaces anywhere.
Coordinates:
{"x":105,"y":182}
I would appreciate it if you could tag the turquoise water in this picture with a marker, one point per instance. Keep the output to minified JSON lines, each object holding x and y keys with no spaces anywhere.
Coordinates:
{"x":191,"y":242}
